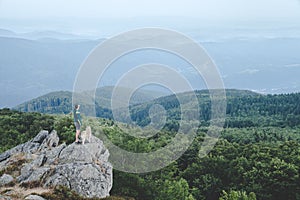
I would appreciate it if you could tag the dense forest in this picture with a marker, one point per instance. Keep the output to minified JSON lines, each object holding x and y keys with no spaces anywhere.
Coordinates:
{"x":256,"y":157}
{"x":244,"y":108}
{"x":60,"y":102}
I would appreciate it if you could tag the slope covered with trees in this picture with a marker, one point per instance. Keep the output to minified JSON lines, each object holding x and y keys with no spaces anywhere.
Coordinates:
{"x":244,"y":109}
{"x":61,"y":102}
{"x":256,"y":157}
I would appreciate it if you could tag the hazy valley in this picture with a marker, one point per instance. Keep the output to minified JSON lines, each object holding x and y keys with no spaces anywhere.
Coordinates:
{"x":36,"y":66}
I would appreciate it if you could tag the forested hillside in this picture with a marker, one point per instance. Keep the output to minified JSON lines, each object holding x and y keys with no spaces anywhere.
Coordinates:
{"x":244,"y":108}
{"x":256,"y":157}
{"x":61,"y":102}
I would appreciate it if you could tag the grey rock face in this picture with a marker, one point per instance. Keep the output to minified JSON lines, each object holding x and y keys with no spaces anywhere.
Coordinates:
{"x":40,"y":137}
{"x":4,"y":156}
{"x":31,"y":146}
{"x":82,"y":168}
{"x":34,"y":197}
{"x":51,"y":140}
{"x":6,"y":179}
{"x":5,"y":198}
{"x":87,"y":179}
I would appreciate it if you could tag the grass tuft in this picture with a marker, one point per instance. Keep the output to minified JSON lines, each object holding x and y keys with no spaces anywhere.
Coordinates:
{"x":64,"y":193}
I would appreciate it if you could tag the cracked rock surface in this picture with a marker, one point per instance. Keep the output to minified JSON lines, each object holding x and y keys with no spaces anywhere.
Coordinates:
{"x":82,"y":168}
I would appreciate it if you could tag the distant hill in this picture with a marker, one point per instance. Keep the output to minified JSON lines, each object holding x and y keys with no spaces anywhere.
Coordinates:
{"x":171,"y":104}
{"x":37,"y":35}
{"x":61,"y":102}
{"x":244,"y":108}
{"x":52,"y":103}
{"x":7,"y":33}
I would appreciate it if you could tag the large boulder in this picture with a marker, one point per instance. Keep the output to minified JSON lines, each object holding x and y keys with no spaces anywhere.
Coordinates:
{"x":6,"y":179}
{"x":34,"y":197}
{"x":82,"y":168}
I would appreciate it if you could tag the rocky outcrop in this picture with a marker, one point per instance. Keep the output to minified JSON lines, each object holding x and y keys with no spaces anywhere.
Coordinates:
{"x":6,"y":179}
{"x":82,"y":168}
{"x":34,"y":197}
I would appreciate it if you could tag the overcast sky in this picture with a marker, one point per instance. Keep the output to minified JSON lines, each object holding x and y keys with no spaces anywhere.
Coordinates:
{"x":206,"y":10}
{"x":217,"y":9}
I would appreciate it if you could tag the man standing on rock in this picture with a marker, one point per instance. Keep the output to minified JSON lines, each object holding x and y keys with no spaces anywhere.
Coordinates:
{"x":77,"y":121}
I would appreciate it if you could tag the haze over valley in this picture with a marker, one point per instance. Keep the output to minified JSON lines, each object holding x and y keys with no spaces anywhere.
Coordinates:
{"x":36,"y":63}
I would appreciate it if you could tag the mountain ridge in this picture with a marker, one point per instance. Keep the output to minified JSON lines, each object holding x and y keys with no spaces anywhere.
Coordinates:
{"x":60,"y":102}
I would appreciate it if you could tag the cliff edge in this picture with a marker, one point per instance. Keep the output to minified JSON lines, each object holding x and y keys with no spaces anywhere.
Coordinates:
{"x":42,"y":162}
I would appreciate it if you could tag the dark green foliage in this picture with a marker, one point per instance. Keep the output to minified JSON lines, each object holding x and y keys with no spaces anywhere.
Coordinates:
{"x":249,"y":162}
{"x":271,"y":171}
{"x":261,"y":134}
{"x":65,"y":128}
{"x":18,"y":127}
{"x":256,"y":156}
{"x":244,"y":109}
{"x":162,"y":184}
{"x":237,"y":195}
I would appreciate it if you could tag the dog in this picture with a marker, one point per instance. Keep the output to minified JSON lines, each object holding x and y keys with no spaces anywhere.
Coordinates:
{"x":86,"y":135}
